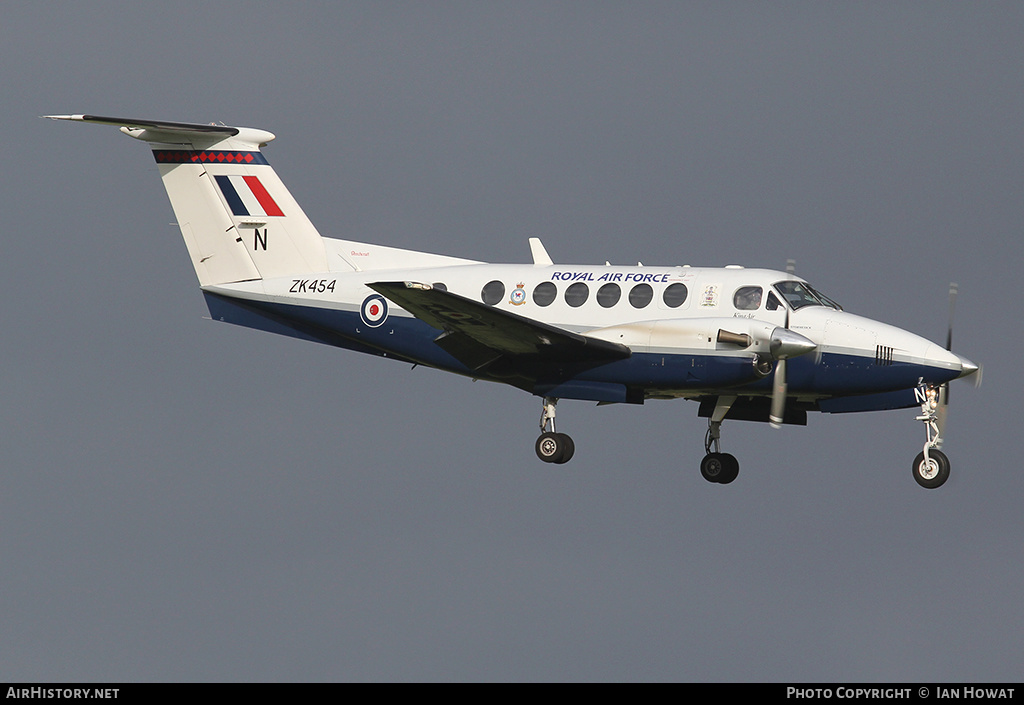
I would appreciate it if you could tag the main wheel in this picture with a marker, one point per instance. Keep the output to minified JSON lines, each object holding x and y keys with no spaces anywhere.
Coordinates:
{"x":730,"y":469}
{"x":568,"y":448}
{"x":933,"y":472}
{"x":551,"y":447}
{"x":712,"y":467}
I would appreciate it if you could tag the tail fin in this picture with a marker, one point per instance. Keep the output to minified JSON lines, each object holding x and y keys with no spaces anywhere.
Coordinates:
{"x":238,"y":219}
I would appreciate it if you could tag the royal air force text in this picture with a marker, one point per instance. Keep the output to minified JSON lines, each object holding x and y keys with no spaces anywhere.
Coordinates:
{"x":637,"y":277}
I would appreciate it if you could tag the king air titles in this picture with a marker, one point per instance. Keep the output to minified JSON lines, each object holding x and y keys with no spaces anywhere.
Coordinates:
{"x":609,"y":277}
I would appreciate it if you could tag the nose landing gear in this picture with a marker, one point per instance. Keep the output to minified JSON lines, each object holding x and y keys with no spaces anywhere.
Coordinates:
{"x":553,"y":447}
{"x":931,"y":466}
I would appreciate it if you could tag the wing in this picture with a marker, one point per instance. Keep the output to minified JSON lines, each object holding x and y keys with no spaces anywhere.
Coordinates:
{"x":479,"y":335}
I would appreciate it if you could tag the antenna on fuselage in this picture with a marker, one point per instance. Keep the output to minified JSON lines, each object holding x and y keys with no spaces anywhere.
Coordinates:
{"x":541,"y":258}
{"x":791,"y":267}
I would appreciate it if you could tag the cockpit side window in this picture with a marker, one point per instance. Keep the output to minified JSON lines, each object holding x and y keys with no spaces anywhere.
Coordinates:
{"x":773,"y":302}
{"x":747,"y":298}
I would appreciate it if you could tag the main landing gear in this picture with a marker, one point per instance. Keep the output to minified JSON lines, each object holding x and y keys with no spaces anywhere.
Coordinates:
{"x":716,"y":466}
{"x":931,"y":466}
{"x":553,"y":447}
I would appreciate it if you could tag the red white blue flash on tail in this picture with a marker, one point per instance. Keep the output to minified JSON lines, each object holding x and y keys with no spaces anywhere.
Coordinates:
{"x":246,"y":195}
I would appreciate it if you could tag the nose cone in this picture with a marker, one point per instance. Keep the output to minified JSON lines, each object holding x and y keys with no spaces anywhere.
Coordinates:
{"x":785,"y":344}
{"x":958,"y":366}
{"x":966,"y":366}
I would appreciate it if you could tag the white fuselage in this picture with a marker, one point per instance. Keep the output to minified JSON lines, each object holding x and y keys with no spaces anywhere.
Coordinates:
{"x":651,"y":310}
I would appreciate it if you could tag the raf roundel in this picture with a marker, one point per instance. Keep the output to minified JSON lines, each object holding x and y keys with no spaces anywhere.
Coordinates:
{"x":374,"y":310}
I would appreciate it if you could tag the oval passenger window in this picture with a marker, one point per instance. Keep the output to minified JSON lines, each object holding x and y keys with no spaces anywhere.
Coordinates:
{"x":493,"y":292}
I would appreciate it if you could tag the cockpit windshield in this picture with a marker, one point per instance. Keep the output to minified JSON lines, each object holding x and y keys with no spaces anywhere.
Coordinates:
{"x":798,"y":295}
{"x":825,"y":300}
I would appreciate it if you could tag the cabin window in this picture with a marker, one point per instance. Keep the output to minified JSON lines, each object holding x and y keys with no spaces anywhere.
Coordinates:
{"x":544,"y":294}
{"x":640,"y":295}
{"x":674,"y":295}
{"x":747,"y":298}
{"x":608,"y":295}
{"x":576,"y":295}
{"x":493,"y":292}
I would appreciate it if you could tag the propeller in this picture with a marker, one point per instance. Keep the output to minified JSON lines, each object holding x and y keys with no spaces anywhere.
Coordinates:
{"x":942,"y":413}
{"x":778,"y":395}
{"x":784,"y":345}
{"x":953,"y":289}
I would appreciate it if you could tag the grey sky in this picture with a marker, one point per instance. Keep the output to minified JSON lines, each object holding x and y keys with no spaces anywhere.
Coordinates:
{"x":185,"y":500}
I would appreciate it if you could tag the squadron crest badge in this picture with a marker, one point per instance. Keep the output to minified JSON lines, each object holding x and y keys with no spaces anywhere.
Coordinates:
{"x":518,"y":296}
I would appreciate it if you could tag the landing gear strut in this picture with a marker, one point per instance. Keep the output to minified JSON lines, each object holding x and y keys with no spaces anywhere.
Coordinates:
{"x":553,"y":447}
{"x":931,"y":466}
{"x":718,"y":467}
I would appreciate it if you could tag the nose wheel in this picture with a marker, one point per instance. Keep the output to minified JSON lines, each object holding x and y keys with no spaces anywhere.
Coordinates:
{"x":553,"y":447}
{"x":931,"y":471}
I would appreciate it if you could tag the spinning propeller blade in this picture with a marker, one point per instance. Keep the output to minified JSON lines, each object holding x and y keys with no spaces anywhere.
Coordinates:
{"x":944,"y":391}
{"x":953,"y":289}
{"x":784,"y":345}
{"x":778,"y":395}
{"x":942,"y":413}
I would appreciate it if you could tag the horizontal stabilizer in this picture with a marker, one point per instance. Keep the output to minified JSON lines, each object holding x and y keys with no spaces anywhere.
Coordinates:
{"x":191,"y":128}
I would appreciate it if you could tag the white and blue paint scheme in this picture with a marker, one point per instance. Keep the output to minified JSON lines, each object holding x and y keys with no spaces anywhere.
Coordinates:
{"x":752,"y":344}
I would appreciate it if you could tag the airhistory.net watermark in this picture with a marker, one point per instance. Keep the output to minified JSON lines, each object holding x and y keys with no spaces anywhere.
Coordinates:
{"x":62,"y":693}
